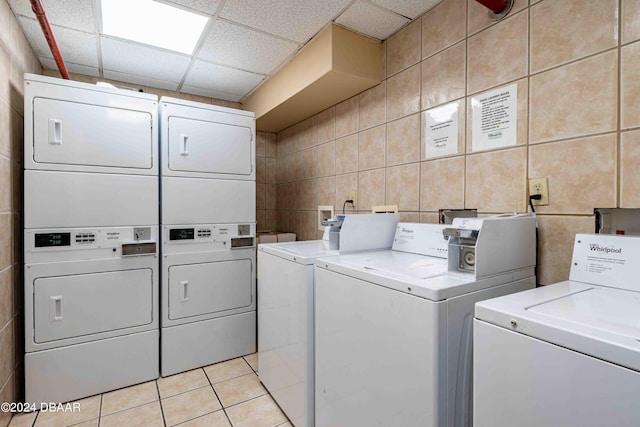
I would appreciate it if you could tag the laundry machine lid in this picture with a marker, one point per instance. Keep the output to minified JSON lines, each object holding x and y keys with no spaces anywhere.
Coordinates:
{"x":596,"y":320}
{"x":304,"y":252}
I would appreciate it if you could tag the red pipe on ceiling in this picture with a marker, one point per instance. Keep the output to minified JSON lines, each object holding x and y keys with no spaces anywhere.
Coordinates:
{"x":38,"y":9}
{"x":496,"y":6}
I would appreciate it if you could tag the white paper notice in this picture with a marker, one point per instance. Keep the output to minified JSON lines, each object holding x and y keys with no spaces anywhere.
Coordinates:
{"x":441,"y":130}
{"x":495,"y":118}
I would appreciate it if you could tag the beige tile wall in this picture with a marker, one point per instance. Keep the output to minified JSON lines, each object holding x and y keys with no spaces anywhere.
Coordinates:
{"x":16,"y":58}
{"x":575,"y":64}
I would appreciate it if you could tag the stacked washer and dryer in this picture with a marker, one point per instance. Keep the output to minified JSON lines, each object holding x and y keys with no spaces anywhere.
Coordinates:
{"x":90,"y":239}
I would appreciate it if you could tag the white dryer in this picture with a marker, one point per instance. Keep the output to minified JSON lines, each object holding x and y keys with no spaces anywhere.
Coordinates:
{"x":566,"y":354}
{"x":394,"y":330}
{"x":90,"y":239}
{"x":286,"y":309}
{"x":208,"y":216}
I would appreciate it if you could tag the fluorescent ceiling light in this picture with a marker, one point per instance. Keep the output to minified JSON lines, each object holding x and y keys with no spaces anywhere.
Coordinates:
{"x":153,"y":23}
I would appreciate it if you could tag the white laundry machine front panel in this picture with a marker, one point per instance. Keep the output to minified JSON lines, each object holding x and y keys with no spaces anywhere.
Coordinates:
{"x":206,"y":201}
{"x":285,"y":334}
{"x":210,"y":288}
{"x":205,"y":285}
{"x":525,"y":382}
{"x":81,"y":127}
{"x":207,"y":141}
{"x":78,"y":199}
{"x":357,"y":371}
{"x":86,"y":304}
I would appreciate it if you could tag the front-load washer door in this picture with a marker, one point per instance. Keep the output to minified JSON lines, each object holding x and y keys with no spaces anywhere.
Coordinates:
{"x":85,"y":304}
{"x":211,"y":288}
{"x":210,"y":147}
{"x":73,"y":133}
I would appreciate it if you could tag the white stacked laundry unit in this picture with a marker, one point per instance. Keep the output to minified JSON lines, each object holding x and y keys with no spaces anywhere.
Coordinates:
{"x":208,"y":234}
{"x":90,"y":239}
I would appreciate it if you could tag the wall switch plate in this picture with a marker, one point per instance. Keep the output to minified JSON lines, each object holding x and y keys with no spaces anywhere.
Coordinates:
{"x":539,"y":186}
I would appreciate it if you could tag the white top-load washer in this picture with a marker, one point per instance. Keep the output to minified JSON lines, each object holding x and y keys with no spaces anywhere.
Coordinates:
{"x":394,"y":331}
{"x":285,"y":308}
{"x":566,"y":354}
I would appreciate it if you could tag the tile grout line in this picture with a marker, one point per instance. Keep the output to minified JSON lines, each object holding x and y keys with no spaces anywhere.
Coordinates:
{"x":160,"y":402}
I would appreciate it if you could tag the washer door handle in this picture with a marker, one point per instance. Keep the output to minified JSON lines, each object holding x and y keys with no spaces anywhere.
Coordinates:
{"x":184,"y":291}
{"x":55,"y":308}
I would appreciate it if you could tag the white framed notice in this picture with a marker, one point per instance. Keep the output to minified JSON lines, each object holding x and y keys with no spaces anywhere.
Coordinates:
{"x":441,"y":130}
{"x":494,"y":118}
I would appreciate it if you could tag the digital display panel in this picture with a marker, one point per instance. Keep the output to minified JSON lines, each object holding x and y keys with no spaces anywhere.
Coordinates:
{"x":44,"y":240}
{"x":181,"y":234}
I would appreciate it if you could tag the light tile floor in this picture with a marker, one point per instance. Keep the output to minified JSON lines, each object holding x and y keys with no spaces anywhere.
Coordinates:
{"x":222,"y":395}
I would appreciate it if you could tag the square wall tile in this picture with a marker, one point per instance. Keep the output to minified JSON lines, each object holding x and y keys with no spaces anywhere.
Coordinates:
{"x":575,"y":100}
{"x":270,"y":145}
{"x":7,"y":295}
{"x":284,"y":196}
{"x":308,"y":163}
{"x":270,"y":170}
{"x":345,"y":184}
{"x":260,"y":170}
{"x":496,"y":181}
{"x":371,"y":148}
{"x":326,"y":121}
{"x":556,"y":235}
{"x":562,"y":31}
{"x":7,"y":350}
{"x":308,"y":195}
{"x":402,"y":186}
{"x":282,"y":221}
{"x":327,"y":159}
{"x":442,"y":184}
{"x":403,"y":48}
{"x":260,"y":196}
{"x":443,"y":76}
{"x":270,"y":196}
{"x":6,"y":189}
{"x":429,"y":218}
{"x":5,"y":72}
{"x":260,"y":144}
{"x":347,"y":117}
{"x":403,"y":93}
{"x":5,"y":123}
{"x":6,"y":240}
{"x":303,"y":223}
{"x":629,"y":176}
{"x":371,"y":106}
{"x":403,"y":140}
{"x":7,"y":394}
{"x":307,"y":134}
{"x":630,"y":20}
{"x":347,"y":154}
{"x":630,"y":86}
{"x":271,"y":220}
{"x":260,"y":220}
{"x":499,"y":54}
{"x":327,"y":191}
{"x":409,"y":217}
{"x":479,"y":15}
{"x":371,"y":189}
{"x":443,"y":26}
{"x":581,"y":173}
{"x":523,"y":116}
{"x":461,"y":129}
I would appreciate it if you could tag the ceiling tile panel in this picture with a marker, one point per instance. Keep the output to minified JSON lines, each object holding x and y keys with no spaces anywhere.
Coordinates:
{"x":204,"y":6}
{"x":409,"y":8}
{"x":211,"y":93}
{"x":75,"y":46}
{"x":71,"y":67}
{"x":75,"y":14}
{"x":371,"y":20}
{"x":139,"y":80}
{"x":222,"y":79}
{"x":140,"y":60}
{"x":297,"y":20}
{"x":243,"y":48}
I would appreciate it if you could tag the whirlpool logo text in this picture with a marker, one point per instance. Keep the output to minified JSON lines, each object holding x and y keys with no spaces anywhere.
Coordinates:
{"x":607,"y":250}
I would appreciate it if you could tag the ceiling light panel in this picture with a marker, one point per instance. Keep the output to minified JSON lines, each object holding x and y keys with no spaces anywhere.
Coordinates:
{"x":153,"y":23}
{"x":297,"y":20}
{"x":74,"y":14}
{"x":371,"y":20}
{"x":243,"y":48}
{"x":222,"y":79}
{"x":75,"y":46}
{"x":408,"y":8}
{"x":132,"y":58}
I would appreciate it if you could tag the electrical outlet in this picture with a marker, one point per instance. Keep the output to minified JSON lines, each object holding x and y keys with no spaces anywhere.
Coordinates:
{"x":352,"y":196}
{"x":539,"y":186}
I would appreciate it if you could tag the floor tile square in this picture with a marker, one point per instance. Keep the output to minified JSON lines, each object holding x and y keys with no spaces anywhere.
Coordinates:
{"x":129,"y":397}
{"x":258,"y":412}
{"x":23,"y":420}
{"x":226,"y":370}
{"x":252,"y":360}
{"x":215,"y":419}
{"x":189,"y":405}
{"x":89,"y":409}
{"x":149,"y":415}
{"x":239,"y":389}
{"x":180,"y":383}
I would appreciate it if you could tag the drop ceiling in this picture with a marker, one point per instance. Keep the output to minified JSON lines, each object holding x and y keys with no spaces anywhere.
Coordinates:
{"x":244,"y":43}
